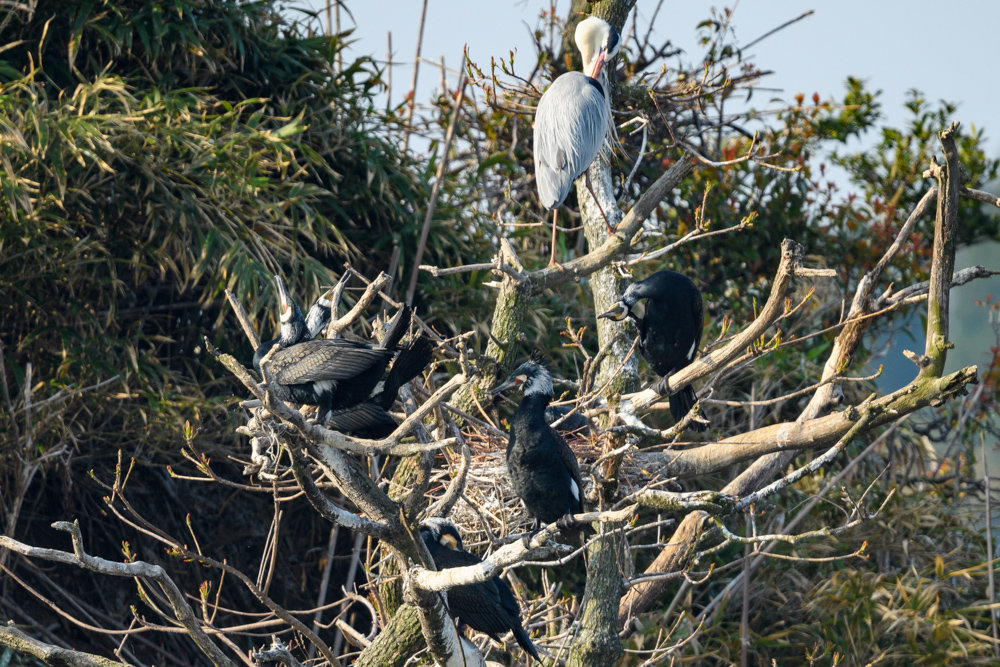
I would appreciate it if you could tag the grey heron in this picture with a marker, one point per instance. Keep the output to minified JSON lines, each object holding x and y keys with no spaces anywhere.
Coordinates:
{"x":572,"y":120}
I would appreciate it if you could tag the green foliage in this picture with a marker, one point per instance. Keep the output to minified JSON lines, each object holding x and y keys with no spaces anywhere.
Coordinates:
{"x":155,"y":154}
{"x":145,"y":174}
{"x":915,"y":599}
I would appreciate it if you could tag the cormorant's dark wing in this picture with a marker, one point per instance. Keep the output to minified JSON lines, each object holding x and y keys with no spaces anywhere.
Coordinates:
{"x":396,"y":329}
{"x":572,"y":465}
{"x":324,"y":359}
{"x":365,"y":419}
{"x":513,"y":609}
{"x":409,"y":363}
{"x":699,"y":320}
{"x":477,"y":605}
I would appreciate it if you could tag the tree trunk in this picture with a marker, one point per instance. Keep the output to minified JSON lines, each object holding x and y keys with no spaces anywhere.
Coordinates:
{"x":597,"y":641}
{"x":505,"y":334}
{"x":397,"y":641}
{"x":609,"y":562}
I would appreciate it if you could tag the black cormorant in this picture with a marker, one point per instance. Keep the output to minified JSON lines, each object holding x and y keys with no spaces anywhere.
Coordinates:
{"x":489,"y":607}
{"x":340,"y":376}
{"x":669,"y":331}
{"x":543,"y":469}
{"x":315,"y":321}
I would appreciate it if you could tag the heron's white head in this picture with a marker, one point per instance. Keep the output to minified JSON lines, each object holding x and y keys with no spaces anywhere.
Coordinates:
{"x":598,"y":43}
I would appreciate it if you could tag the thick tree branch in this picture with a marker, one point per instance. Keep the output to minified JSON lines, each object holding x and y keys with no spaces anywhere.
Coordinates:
{"x":326,"y":507}
{"x":397,"y":641}
{"x":943,"y":264}
{"x":811,"y":434}
{"x":56,"y":656}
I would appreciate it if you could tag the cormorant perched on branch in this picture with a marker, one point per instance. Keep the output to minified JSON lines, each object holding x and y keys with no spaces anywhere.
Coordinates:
{"x":315,"y":321}
{"x":543,"y":469}
{"x":669,"y":331}
{"x":489,"y":607}
{"x":342,"y":377}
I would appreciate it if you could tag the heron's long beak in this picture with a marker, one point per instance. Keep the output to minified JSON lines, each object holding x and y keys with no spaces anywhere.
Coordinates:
{"x":618,"y":312}
{"x":503,"y":387}
{"x":598,"y":64}
{"x":284,"y":299}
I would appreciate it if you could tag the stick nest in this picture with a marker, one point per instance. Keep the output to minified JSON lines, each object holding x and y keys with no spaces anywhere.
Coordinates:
{"x":489,"y":498}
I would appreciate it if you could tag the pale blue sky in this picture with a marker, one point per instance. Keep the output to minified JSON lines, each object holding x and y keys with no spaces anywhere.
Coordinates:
{"x":949,"y":53}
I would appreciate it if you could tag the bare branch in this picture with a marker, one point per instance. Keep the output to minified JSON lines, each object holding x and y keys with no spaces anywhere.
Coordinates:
{"x":241,"y":316}
{"x":182,"y":611}
{"x":371,"y":292}
{"x":13,"y":638}
{"x":277,"y":653}
{"x":979,"y":195}
{"x":540,"y":546}
{"x":619,"y":243}
{"x":444,"y":506}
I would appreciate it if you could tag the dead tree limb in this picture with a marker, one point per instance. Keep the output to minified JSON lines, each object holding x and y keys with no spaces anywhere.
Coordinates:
{"x":56,"y":656}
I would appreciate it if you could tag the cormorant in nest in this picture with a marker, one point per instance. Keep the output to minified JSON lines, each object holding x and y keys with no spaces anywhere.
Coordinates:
{"x":342,"y":377}
{"x":543,"y":469}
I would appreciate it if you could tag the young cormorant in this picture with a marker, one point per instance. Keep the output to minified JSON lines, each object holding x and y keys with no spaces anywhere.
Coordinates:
{"x":342,"y":377}
{"x":669,"y":331}
{"x":489,"y":607}
{"x":318,"y":316}
{"x":543,"y":469}
{"x":315,"y":321}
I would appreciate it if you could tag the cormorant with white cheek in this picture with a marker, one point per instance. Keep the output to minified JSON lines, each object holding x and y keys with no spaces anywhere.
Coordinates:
{"x":543,"y":469}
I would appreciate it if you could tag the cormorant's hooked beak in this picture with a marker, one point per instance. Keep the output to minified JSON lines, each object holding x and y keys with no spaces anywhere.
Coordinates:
{"x":504,"y":387}
{"x":617,"y":313}
{"x":284,"y":300}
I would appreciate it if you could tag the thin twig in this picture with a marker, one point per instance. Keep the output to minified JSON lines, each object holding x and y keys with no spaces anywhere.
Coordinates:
{"x":436,"y":190}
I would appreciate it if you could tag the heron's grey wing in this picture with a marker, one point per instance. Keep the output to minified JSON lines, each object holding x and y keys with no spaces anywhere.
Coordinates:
{"x":570,"y":126}
{"x":324,"y":359}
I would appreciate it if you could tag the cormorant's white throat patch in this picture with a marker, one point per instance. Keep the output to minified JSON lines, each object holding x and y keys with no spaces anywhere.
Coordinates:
{"x":539,"y":383}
